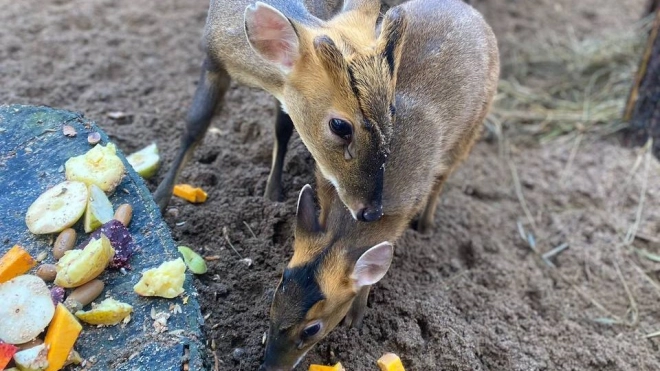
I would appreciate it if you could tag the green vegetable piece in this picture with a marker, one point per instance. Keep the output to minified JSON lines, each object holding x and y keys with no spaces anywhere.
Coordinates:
{"x":193,"y":260}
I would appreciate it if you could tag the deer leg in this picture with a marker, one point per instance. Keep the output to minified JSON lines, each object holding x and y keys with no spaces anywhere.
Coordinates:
{"x":283,"y":131}
{"x":355,"y":315}
{"x":213,"y":84}
{"x":425,"y":221}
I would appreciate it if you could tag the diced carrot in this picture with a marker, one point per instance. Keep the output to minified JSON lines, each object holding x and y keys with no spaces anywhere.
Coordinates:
{"x":337,"y":367}
{"x":7,"y":351}
{"x":60,"y":337}
{"x":190,"y":193}
{"x":390,"y":362}
{"x":15,"y":262}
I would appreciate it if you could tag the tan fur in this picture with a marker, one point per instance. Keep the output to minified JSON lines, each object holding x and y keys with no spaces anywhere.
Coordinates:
{"x":445,"y":84}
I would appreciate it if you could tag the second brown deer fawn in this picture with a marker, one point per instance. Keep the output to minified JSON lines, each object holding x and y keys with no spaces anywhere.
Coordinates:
{"x":446,"y":82}
{"x":332,"y":73}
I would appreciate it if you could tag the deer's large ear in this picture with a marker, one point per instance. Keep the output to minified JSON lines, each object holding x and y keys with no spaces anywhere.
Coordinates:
{"x":307,"y":222}
{"x":391,"y":39}
{"x":373,"y":264}
{"x":272,"y":35}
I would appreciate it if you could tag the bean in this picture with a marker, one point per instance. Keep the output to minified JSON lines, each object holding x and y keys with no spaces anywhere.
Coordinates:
{"x":64,"y":243}
{"x":86,"y":293}
{"x":124,"y":214}
{"x":47,"y":272}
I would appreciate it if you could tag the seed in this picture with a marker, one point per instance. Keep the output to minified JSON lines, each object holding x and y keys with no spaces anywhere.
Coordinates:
{"x":86,"y":293}
{"x":124,"y":214}
{"x":47,"y":272}
{"x":64,"y":243}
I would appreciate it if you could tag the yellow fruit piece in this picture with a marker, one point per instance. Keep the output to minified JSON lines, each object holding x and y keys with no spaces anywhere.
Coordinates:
{"x":337,"y":367}
{"x":77,"y":267}
{"x":190,"y":193}
{"x":165,"y":281}
{"x":100,"y":166}
{"x":60,"y":337}
{"x":109,"y":312}
{"x":390,"y":362}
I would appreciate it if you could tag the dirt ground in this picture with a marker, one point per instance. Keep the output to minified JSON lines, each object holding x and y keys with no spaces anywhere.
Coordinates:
{"x":470,"y":296}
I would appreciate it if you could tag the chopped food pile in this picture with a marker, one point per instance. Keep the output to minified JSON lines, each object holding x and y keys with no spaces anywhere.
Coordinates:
{"x":44,"y":306}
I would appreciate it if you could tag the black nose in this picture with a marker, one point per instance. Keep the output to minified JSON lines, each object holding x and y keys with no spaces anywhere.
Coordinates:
{"x":370,"y":213}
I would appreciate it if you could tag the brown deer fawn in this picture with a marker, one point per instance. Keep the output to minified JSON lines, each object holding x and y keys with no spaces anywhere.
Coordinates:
{"x":332,"y":78}
{"x":448,"y":74}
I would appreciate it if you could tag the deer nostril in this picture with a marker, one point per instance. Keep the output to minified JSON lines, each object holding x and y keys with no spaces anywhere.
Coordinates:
{"x":371,"y":213}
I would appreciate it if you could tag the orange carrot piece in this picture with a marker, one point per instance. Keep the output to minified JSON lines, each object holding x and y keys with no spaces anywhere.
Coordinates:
{"x":337,"y":367}
{"x":390,"y":362}
{"x":15,"y":262}
{"x":190,"y":193}
{"x":61,"y":336}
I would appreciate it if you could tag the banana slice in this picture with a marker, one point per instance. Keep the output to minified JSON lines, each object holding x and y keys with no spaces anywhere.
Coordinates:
{"x":100,"y":166}
{"x":25,"y":308}
{"x":145,"y":161}
{"x":58,"y":208}
{"x":99,"y":209}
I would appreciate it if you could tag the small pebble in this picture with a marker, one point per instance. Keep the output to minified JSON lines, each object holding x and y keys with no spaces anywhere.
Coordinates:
{"x":69,"y":131}
{"x":247,"y":261}
{"x":93,"y":137}
{"x":238,"y":353}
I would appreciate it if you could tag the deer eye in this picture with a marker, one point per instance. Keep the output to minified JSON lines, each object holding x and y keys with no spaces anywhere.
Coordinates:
{"x":392,"y":110}
{"x":310,"y":331}
{"x":342,"y":129}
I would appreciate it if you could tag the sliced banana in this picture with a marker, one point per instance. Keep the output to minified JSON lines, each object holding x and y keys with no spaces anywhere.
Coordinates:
{"x":58,"y":208}
{"x":145,"y":161}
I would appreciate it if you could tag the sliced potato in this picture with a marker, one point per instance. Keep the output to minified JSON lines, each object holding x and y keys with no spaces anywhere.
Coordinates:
{"x":165,"y":281}
{"x":99,"y":209}
{"x":145,"y":161}
{"x":58,"y":208}
{"x":32,"y":359}
{"x":77,"y":267}
{"x":25,"y":309}
{"x":100,"y":166}
{"x":109,"y":312}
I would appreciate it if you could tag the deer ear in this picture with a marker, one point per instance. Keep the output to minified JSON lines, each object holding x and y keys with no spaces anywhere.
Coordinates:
{"x":307,"y":222}
{"x":271,"y":35}
{"x":391,"y":39}
{"x":373,"y":264}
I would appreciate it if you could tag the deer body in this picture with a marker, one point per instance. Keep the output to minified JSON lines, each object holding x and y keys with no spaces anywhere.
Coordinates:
{"x":447,"y":79}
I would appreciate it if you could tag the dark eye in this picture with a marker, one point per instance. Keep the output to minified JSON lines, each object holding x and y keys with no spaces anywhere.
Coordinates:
{"x":392,"y":110}
{"x":310,"y":331}
{"x":342,"y":129}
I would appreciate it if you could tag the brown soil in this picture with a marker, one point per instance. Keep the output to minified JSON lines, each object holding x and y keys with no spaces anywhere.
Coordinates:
{"x":470,"y":296}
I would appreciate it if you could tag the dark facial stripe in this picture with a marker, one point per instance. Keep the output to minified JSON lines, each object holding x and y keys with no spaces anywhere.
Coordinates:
{"x":354,"y":86}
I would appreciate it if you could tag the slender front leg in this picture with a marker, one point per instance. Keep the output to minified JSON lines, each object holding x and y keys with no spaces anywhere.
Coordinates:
{"x":283,"y":131}
{"x":213,"y":84}
{"x":425,"y":222}
{"x":355,"y":315}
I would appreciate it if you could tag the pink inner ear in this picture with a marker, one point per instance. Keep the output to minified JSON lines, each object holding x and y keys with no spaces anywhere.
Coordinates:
{"x":272,"y":35}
